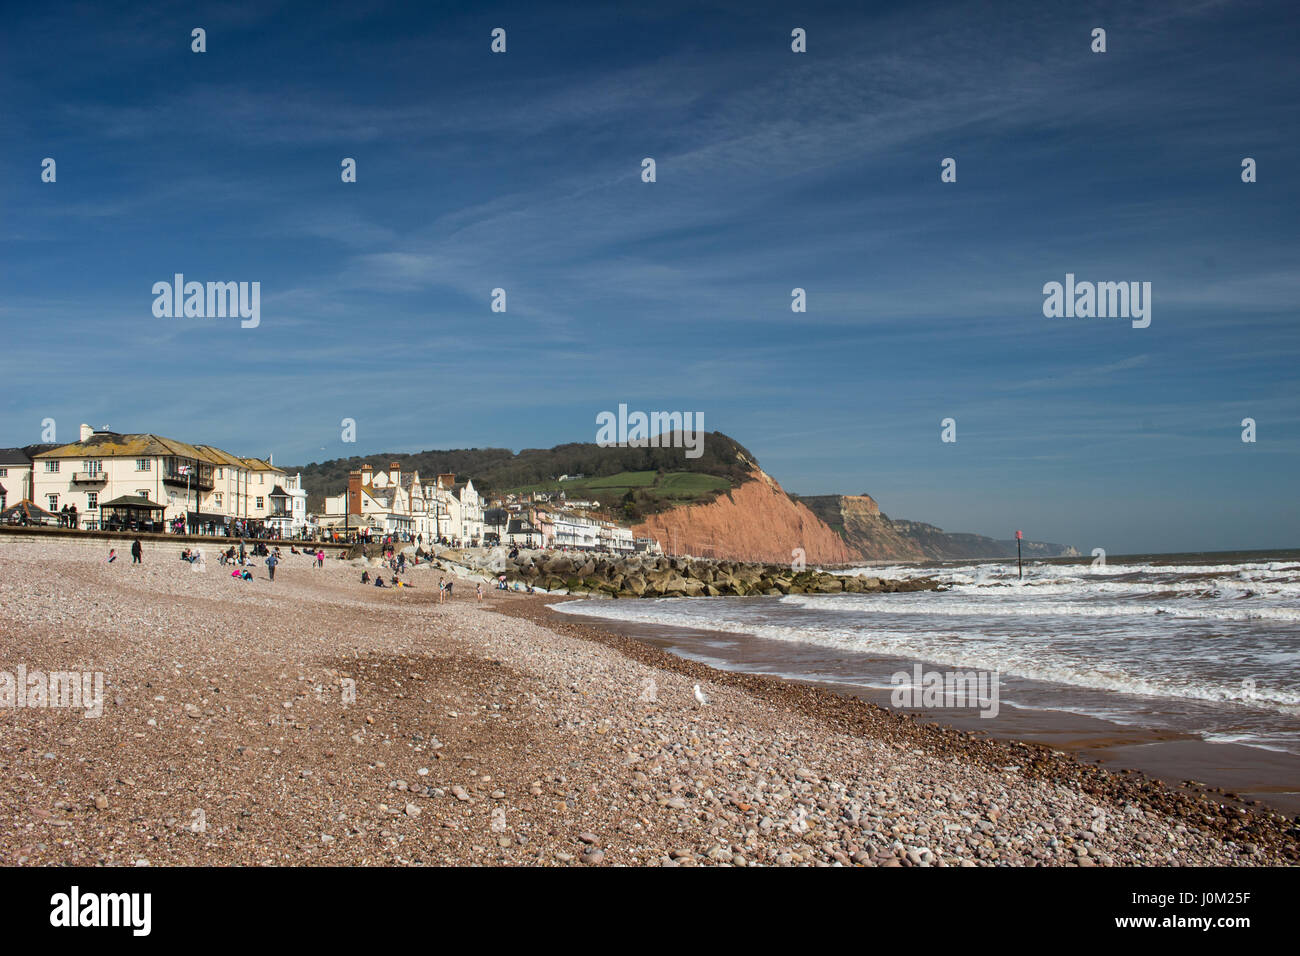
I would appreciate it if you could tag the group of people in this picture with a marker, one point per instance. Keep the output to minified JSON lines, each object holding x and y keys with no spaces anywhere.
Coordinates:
{"x":243,"y":559}
{"x":444,"y":584}
{"x":317,"y":555}
{"x":397,"y":581}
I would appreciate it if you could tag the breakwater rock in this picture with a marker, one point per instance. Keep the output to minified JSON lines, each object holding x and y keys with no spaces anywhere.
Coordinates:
{"x":636,"y":576}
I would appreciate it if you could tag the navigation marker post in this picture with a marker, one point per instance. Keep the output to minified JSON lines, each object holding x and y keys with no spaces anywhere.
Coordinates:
{"x":1020,"y":570}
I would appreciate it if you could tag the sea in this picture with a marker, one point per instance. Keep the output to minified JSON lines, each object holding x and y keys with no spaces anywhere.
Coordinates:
{"x":1200,"y":645}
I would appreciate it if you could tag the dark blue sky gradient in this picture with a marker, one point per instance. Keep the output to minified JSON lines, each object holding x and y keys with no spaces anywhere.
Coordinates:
{"x":775,"y":170}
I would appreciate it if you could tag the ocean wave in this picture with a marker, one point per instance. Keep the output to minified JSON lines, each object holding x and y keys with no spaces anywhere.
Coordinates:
{"x":928,"y":604}
{"x":1073,"y":663}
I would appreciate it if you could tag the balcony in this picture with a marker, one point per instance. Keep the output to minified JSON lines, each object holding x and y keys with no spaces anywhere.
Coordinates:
{"x":201,"y":482}
{"x":89,"y":478}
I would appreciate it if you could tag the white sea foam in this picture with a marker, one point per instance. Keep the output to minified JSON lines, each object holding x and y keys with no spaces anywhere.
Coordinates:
{"x":1222,"y":636}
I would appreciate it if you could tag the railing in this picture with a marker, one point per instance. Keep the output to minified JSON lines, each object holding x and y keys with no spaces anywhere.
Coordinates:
{"x":200,"y":481}
{"x":89,"y":477}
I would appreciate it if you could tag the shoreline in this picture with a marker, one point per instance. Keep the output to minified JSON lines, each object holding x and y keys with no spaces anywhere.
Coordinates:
{"x":855,"y":713}
{"x":1244,"y":772}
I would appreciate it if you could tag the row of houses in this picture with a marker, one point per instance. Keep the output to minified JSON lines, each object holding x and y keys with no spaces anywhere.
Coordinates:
{"x":144,"y":481}
{"x":113,"y":481}
{"x":546,"y":528}
{"x":405,"y":505}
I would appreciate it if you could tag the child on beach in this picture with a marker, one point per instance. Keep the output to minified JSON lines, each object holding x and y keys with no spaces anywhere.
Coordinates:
{"x":478,"y":590}
{"x":442,"y":590}
{"x":112,"y":555}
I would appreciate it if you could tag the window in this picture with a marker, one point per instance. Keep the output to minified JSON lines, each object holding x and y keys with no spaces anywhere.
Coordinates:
{"x":216,"y":499}
{"x":142,"y":492}
{"x":143,"y":464}
{"x":4,"y":472}
{"x":218,"y":474}
{"x":54,"y":502}
{"x":259,"y":501}
{"x":95,"y":467}
{"x":261,"y":479}
{"x":92,"y":500}
{"x":51,"y":467}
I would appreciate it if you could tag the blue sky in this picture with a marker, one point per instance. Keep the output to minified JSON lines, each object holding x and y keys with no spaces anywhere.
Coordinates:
{"x":775,"y":170}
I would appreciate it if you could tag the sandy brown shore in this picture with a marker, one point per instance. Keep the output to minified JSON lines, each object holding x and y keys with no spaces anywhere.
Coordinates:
{"x":500,"y":738}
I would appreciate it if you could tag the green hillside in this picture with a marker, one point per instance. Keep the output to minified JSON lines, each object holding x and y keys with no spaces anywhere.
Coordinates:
{"x":635,"y":481}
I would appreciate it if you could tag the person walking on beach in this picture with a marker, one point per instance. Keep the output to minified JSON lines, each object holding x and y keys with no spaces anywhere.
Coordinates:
{"x":271,"y":561}
{"x":112,"y":555}
{"x":241,"y":552}
{"x":442,"y":590}
{"x":478,"y":590}
{"x":136,"y":552}
{"x":320,"y":557}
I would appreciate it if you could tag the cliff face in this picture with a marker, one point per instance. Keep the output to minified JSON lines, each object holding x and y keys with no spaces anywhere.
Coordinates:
{"x":757,"y":521}
{"x":876,"y":537}
{"x":857,"y":519}
{"x":948,"y":545}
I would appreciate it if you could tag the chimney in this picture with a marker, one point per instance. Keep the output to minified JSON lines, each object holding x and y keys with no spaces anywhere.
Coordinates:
{"x":395,"y":472}
{"x":354,"y":493}
{"x":86,"y":432}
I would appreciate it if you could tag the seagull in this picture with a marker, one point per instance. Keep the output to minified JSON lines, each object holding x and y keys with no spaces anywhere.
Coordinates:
{"x":700,"y":697}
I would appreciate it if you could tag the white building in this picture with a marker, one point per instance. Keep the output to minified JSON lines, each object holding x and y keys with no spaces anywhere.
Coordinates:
{"x":616,"y":538}
{"x":397,"y":502}
{"x":288,"y":506}
{"x":575,"y":531}
{"x":150,"y":482}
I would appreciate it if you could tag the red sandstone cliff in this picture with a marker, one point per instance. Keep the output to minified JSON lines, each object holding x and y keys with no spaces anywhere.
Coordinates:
{"x":755,"y":522}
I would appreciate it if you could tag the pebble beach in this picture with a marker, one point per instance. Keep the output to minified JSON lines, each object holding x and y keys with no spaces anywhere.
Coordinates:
{"x":314,"y":720}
